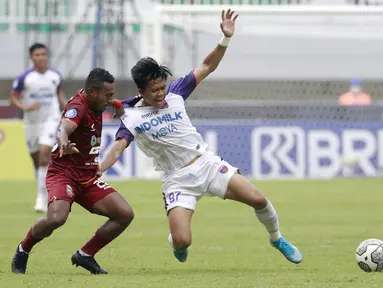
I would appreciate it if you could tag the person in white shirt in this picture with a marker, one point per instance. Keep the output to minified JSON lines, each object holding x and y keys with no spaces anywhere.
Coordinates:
{"x":38,"y":93}
{"x":162,"y":130}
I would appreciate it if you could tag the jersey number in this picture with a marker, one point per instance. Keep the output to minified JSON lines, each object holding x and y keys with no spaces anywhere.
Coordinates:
{"x":95,"y":150}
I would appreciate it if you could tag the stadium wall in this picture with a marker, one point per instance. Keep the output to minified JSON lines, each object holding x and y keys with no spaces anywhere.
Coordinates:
{"x":276,"y":149}
{"x":261,"y":149}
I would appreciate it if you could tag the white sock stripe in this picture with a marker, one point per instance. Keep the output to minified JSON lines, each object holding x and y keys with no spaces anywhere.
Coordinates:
{"x":82,"y":253}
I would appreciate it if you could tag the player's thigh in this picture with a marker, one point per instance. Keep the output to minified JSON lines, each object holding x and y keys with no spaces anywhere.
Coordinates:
{"x":99,"y":197}
{"x":114,"y":206}
{"x":180,"y":225}
{"x":241,"y":190}
{"x":180,"y":204}
{"x":60,"y":187}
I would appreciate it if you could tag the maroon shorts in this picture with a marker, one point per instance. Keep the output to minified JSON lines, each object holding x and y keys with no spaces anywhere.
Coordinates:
{"x":60,"y":187}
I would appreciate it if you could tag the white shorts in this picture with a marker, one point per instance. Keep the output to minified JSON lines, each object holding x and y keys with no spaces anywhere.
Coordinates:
{"x":41,"y":134}
{"x":209,"y":175}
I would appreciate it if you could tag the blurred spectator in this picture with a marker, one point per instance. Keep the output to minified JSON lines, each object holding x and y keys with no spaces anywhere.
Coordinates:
{"x":355,"y":96}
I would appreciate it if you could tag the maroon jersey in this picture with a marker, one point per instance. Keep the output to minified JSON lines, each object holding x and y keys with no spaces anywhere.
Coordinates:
{"x":87,"y":136}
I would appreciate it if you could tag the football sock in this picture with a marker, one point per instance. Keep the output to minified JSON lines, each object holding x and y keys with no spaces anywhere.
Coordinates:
{"x":82,"y":253}
{"x":94,"y":245}
{"x":268,"y":217}
{"x":41,"y":186}
{"x":27,"y":244}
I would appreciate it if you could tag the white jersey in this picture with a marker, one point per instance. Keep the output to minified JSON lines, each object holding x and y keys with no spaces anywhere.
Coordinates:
{"x":39,"y":87}
{"x":165,"y":134}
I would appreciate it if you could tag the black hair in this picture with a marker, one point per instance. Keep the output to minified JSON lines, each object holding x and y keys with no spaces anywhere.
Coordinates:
{"x":147,"y":69}
{"x":96,"y":79}
{"x":37,"y":46}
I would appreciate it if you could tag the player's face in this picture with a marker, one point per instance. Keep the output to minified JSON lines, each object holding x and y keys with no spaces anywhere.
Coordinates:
{"x":102,"y":98}
{"x":154,"y":94}
{"x":39,"y":58}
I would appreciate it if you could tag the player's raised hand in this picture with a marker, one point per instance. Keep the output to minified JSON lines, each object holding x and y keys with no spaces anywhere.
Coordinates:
{"x":68,"y":148}
{"x":228,"y":22}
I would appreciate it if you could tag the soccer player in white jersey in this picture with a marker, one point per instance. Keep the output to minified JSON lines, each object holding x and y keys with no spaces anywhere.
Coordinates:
{"x":38,"y":93}
{"x":163,"y":131}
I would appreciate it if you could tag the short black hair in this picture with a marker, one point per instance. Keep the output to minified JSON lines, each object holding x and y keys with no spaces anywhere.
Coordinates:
{"x":37,"y":46}
{"x":96,"y":79}
{"x":147,"y":69}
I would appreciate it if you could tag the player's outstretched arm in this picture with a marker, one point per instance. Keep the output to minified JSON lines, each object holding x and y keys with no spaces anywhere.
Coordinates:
{"x":113,"y":154}
{"x":212,"y":61}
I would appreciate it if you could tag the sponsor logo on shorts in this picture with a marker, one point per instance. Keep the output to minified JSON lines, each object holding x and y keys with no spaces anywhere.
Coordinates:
{"x":71,"y":113}
{"x":69,"y":190}
{"x":95,"y":140}
{"x":223,"y":169}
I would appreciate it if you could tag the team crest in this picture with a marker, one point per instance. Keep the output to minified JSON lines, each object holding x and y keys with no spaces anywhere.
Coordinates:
{"x":71,"y":113}
{"x":69,"y":190}
{"x":223,"y":169}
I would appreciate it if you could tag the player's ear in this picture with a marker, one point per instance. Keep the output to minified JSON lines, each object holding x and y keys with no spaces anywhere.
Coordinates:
{"x":91,"y":91}
{"x":141,"y":91}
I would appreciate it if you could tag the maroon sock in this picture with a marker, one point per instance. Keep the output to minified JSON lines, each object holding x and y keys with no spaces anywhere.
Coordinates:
{"x":95,"y":244}
{"x":29,"y":242}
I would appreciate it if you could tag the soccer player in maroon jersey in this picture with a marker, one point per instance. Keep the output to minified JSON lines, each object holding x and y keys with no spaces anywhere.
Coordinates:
{"x":72,"y":177}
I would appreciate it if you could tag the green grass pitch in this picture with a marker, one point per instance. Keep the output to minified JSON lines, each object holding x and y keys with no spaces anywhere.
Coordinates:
{"x":325,"y":219}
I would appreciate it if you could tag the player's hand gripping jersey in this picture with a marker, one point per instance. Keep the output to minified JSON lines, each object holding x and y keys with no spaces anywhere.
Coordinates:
{"x":166,"y":134}
{"x":83,"y":165}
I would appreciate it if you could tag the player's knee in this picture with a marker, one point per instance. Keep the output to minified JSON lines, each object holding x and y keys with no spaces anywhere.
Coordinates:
{"x":57,"y":220}
{"x":257,"y":199}
{"x":127,"y":216}
{"x":181,"y":241}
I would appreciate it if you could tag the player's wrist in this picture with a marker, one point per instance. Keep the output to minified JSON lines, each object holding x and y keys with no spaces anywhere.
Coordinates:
{"x":224,"y":42}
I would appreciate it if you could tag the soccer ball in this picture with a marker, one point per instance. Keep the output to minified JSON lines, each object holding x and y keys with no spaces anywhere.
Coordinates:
{"x":369,"y":255}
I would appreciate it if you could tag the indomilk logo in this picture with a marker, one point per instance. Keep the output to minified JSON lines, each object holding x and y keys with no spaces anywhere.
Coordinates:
{"x":154,"y":122}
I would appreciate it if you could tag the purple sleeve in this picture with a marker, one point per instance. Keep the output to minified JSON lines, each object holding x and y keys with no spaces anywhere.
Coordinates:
{"x":18,"y":84}
{"x":184,"y":86}
{"x":124,"y":133}
{"x":131,"y":101}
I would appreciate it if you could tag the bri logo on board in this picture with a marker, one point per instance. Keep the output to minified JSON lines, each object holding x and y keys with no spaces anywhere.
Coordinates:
{"x":155,"y":121}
